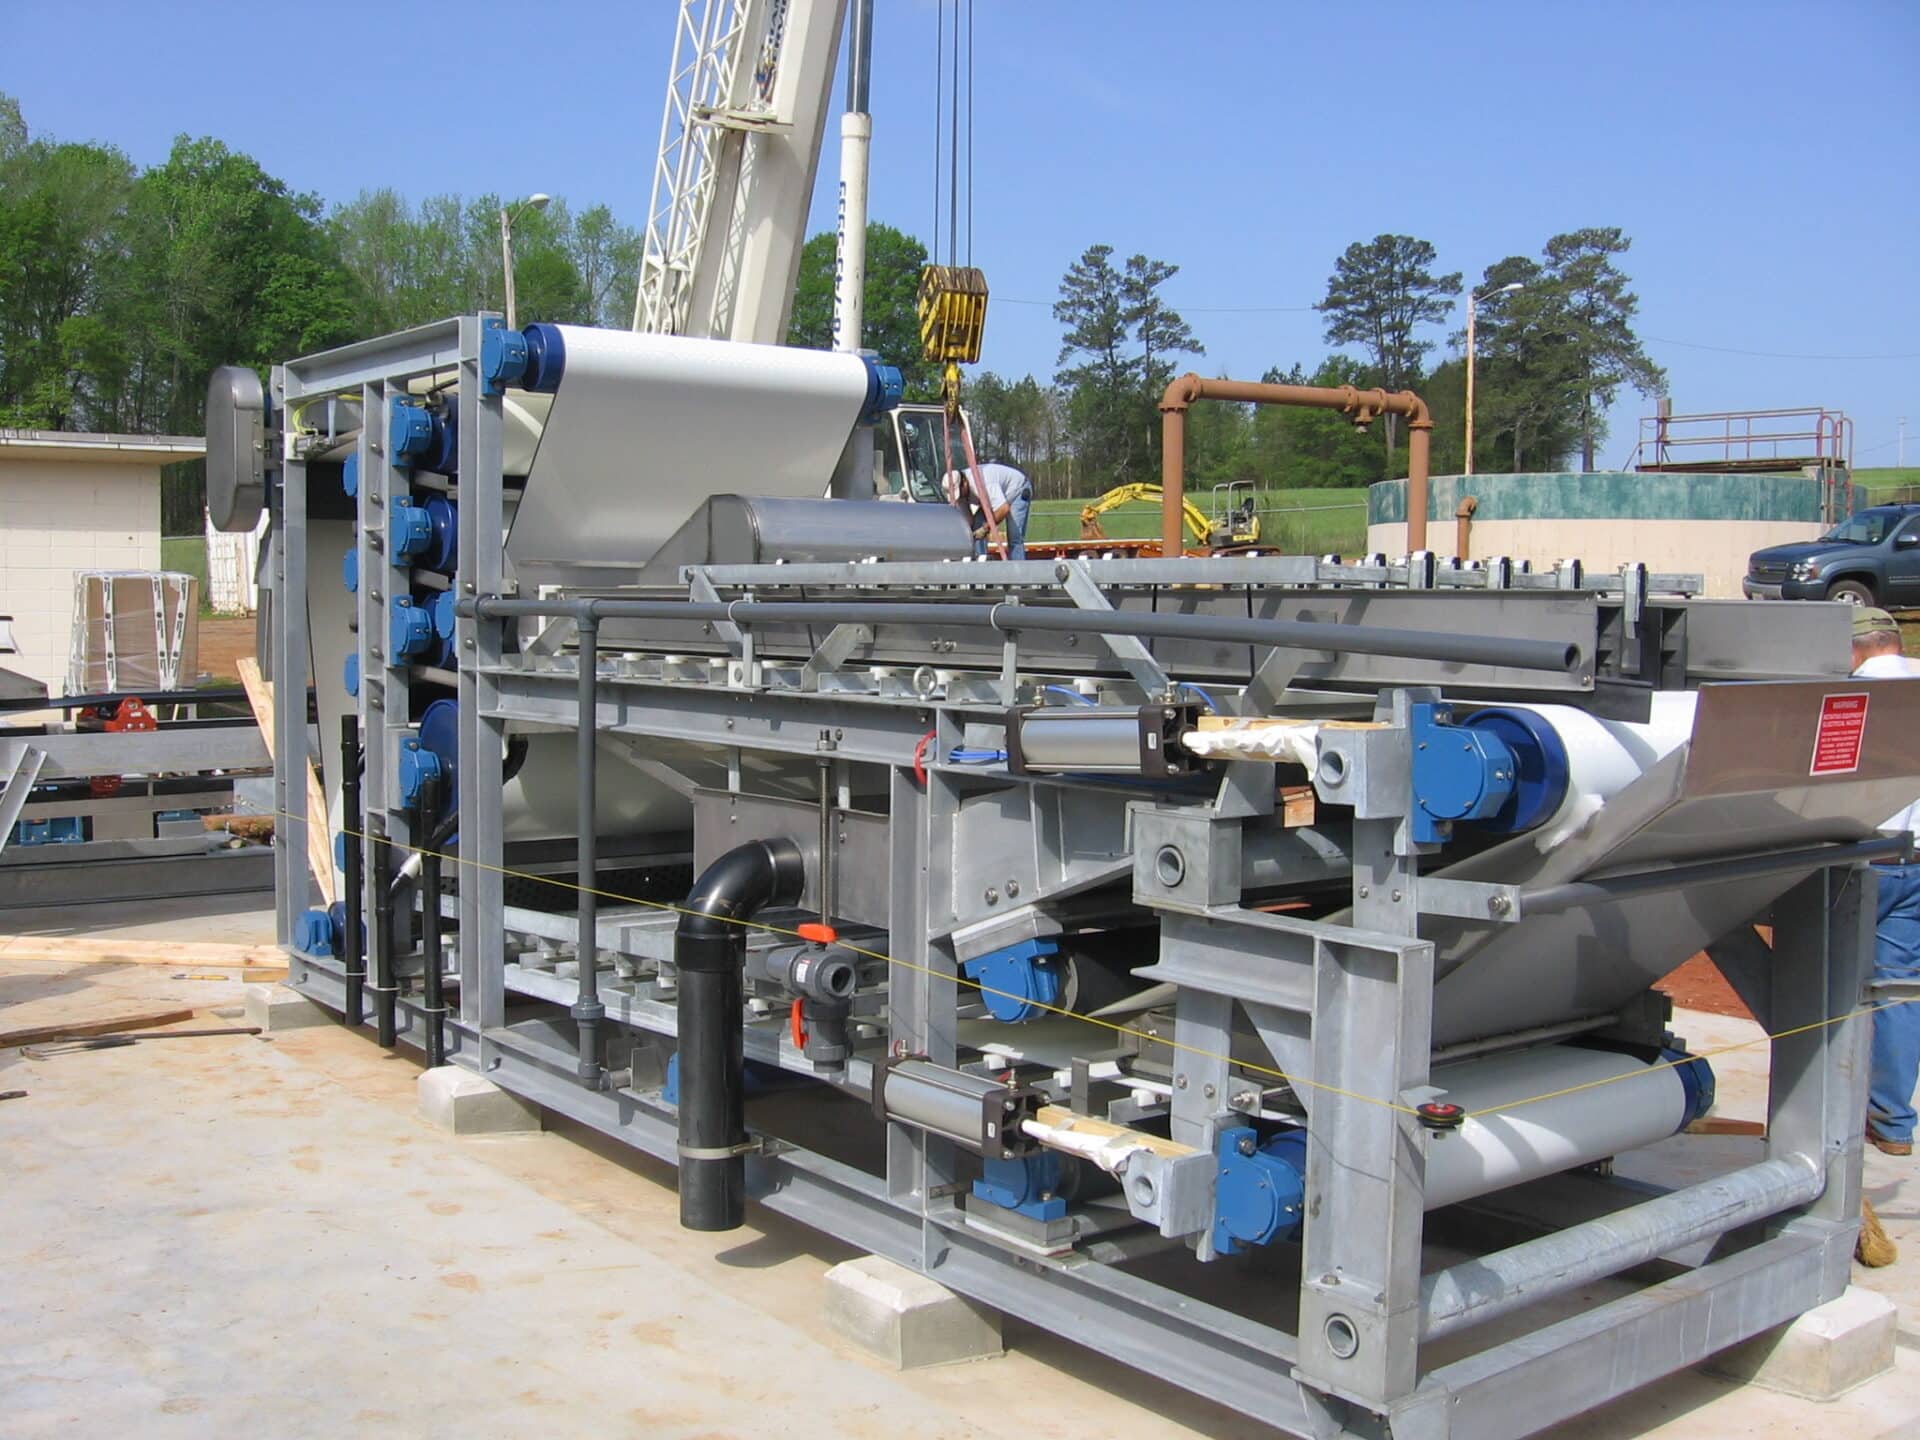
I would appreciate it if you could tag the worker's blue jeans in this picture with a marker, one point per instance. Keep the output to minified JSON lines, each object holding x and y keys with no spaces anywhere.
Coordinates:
{"x":1015,"y":528}
{"x":1896,"y":1028}
{"x":1017,"y":508}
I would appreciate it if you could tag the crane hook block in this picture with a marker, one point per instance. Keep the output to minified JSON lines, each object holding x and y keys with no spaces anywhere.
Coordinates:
{"x":953,"y":313}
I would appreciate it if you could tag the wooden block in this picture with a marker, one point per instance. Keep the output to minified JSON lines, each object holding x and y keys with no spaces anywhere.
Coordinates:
{"x":81,"y":1029}
{"x":319,"y":846}
{"x":1726,"y":1125}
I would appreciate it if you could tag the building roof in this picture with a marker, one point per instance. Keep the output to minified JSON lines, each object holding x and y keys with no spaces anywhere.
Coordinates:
{"x":100,"y":449}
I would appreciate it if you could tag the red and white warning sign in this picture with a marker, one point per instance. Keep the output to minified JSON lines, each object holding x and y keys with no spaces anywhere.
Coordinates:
{"x":1843,"y":728}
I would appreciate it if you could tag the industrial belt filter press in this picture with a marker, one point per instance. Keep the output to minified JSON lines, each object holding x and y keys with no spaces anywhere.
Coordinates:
{"x":1241,"y":965}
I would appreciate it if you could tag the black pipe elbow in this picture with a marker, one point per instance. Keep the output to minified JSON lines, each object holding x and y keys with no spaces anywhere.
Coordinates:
{"x":710,"y":952}
{"x":760,"y":872}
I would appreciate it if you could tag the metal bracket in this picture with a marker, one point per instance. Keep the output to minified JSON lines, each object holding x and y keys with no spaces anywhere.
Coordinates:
{"x":1132,"y":654}
{"x":1633,"y":597}
{"x":700,"y":588}
{"x":1271,"y":680}
{"x":833,"y":652}
{"x":1468,"y":900}
{"x":24,"y":772}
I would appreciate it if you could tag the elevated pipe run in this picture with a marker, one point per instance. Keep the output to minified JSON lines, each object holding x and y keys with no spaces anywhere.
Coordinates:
{"x":1362,"y":406}
{"x":710,"y":954}
{"x":1010,"y":618}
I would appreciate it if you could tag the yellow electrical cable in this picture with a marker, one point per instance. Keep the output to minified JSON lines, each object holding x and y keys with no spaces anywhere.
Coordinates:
{"x":1299,"y":1082}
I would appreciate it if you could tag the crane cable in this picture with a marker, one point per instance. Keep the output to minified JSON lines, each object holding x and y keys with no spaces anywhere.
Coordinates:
{"x":948,"y":130}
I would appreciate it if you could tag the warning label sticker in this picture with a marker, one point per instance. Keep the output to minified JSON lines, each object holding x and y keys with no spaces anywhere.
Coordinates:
{"x":1843,"y":727}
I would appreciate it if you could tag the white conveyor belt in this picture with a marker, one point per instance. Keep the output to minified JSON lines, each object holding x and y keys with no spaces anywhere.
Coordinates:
{"x":645,"y":427}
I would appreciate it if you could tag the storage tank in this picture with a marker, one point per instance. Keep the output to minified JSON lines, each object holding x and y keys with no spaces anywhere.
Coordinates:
{"x":1685,"y":523}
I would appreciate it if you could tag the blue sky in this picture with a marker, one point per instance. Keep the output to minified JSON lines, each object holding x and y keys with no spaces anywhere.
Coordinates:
{"x":1761,"y":155}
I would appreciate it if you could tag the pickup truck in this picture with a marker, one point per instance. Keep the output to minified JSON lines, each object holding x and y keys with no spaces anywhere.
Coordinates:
{"x":1873,"y":558}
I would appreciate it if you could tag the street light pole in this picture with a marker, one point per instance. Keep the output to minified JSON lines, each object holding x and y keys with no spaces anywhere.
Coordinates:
{"x":1472,"y":301}
{"x":535,"y":201}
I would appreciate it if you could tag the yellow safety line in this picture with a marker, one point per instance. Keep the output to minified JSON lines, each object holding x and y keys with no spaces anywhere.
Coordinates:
{"x":1299,"y":1082}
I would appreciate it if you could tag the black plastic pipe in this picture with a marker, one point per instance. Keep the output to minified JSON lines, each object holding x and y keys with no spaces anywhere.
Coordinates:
{"x":353,"y":955}
{"x":1442,"y":646}
{"x":587,"y":1011}
{"x":433,"y":1002}
{"x":710,"y":953}
{"x":384,"y":985}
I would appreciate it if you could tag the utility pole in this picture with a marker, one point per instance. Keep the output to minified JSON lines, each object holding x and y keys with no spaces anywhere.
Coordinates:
{"x":1466,"y":467}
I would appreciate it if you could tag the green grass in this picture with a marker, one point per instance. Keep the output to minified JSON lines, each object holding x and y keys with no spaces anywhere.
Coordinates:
{"x":1304,"y":522}
{"x":188,"y":554}
{"x":1885,"y":484}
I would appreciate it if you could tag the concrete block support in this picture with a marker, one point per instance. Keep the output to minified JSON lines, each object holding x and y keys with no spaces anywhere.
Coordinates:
{"x":461,"y":1103}
{"x":276,"y":1008}
{"x":906,"y":1319}
{"x":1823,"y":1354}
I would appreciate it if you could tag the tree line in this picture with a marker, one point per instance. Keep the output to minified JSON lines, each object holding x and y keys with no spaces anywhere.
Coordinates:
{"x":1554,"y":345}
{"x":121,"y":288}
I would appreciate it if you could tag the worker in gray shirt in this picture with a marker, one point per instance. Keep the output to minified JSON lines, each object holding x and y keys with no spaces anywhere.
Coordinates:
{"x":1009,"y":497}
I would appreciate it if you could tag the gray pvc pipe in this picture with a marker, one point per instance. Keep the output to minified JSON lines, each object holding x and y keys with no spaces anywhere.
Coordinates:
{"x":1006,"y":618}
{"x":587,"y":1011}
{"x":1476,"y":1291}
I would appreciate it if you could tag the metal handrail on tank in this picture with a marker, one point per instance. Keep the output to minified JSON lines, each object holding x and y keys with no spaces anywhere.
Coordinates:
{"x":1829,"y":432}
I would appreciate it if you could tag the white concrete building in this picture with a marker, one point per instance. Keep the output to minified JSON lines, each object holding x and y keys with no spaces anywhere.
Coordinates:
{"x":73,"y":502}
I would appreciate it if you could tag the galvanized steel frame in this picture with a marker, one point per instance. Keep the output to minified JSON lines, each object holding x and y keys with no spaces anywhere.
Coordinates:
{"x":1355,"y":1003}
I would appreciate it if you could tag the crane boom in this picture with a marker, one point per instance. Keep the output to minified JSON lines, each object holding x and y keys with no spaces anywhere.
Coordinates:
{"x":747,"y":97}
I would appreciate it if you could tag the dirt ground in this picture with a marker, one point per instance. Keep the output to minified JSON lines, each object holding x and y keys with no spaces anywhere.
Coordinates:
{"x":1698,"y":985}
{"x":223,"y":640}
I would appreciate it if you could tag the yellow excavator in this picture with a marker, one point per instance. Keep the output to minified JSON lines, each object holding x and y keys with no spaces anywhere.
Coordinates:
{"x":1235,"y":521}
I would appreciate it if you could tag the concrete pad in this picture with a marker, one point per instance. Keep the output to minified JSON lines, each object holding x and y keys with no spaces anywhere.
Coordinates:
{"x":906,"y":1319}
{"x":461,"y":1103}
{"x":276,"y":1008}
{"x":1823,"y":1354}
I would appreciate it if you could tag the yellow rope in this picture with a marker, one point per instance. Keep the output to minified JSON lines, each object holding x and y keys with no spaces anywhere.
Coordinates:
{"x":1253,"y":1067}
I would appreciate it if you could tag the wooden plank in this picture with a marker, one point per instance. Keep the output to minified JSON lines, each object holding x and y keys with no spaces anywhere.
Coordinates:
{"x":319,"y":844}
{"x":1726,"y":1125}
{"x":103,"y":950}
{"x":81,"y":1029}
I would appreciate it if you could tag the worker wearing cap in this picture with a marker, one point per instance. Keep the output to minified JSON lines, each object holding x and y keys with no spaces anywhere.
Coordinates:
{"x":1009,"y":498}
{"x":1879,"y":655}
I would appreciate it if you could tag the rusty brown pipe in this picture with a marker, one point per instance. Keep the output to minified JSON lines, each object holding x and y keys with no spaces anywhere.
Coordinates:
{"x":1362,"y":406}
{"x":1463,"y":527}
